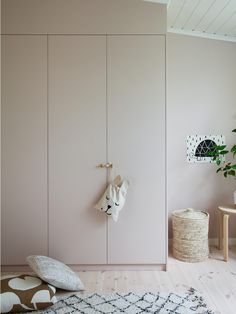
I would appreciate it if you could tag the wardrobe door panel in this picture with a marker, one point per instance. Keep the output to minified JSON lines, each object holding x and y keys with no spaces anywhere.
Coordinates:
{"x":24,"y":147}
{"x":77,"y":143}
{"x":136,"y":146}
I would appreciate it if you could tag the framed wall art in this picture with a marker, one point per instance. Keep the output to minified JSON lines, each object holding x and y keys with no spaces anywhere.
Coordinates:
{"x":198,"y":147}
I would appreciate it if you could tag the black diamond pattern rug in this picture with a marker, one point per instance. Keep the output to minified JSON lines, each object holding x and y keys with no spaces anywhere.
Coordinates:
{"x":132,"y":303}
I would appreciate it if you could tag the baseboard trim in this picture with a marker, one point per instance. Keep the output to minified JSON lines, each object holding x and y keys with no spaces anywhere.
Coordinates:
{"x":25,"y":268}
{"x":211,"y":241}
{"x":119,"y":267}
{"x":215,"y":241}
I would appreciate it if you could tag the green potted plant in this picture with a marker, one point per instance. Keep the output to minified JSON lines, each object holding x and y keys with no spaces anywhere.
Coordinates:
{"x":228,"y":168}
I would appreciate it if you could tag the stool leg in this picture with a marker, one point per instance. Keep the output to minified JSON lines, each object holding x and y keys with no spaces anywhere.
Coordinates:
{"x":220,"y":230}
{"x":225,"y":232}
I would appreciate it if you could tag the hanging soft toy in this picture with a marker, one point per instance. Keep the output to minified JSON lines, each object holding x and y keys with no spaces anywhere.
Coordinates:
{"x":114,"y":198}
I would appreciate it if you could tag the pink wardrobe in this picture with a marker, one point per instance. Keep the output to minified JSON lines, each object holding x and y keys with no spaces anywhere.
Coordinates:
{"x":83,"y":84}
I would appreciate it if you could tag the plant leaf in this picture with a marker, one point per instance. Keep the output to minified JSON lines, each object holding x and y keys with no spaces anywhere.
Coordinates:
{"x":224,"y":152}
{"x":218,"y":162}
{"x":227,"y":167}
{"x":233,"y":150}
{"x":220,"y":147}
{"x":234,"y":130}
{"x":210,"y":154}
{"x":231,"y":172}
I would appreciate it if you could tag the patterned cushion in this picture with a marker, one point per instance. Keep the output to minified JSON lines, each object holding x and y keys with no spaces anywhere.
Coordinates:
{"x":55,"y":273}
{"x":25,"y":293}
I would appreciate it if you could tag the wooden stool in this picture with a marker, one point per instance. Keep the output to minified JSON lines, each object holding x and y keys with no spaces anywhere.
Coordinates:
{"x":224,"y":213}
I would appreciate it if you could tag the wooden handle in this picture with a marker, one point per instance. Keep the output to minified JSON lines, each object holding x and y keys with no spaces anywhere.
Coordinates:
{"x":107,"y":165}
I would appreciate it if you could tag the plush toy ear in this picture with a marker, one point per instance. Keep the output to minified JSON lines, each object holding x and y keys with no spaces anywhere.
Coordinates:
{"x":117,"y":180}
{"x":124,"y":186}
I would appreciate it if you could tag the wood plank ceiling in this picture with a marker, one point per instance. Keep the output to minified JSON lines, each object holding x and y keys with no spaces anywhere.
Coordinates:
{"x":204,"y":18}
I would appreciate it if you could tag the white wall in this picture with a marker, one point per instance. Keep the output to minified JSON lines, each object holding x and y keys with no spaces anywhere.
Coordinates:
{"x":201,"y":99}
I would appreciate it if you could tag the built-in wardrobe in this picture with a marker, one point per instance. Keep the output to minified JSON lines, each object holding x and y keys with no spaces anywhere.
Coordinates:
{"x":75,"y":96}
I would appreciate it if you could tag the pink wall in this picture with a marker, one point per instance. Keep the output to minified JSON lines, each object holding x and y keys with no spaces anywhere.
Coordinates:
{"x":0,"y":128}
{"x":201,"y":99}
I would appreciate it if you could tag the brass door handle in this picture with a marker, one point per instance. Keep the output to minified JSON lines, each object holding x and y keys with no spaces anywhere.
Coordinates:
{"x":107,"y":165}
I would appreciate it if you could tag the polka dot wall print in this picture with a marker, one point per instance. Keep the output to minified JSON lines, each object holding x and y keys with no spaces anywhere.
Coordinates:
{"x":198,"y":147}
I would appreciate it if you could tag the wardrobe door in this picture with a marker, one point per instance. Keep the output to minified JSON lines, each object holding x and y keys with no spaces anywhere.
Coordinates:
{"x":77,"y":144}
{"x":24,"y":147}
{"x":136,"y":146}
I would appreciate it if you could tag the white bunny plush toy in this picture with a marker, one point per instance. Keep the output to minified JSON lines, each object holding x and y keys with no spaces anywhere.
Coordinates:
{"x":113,"y":199}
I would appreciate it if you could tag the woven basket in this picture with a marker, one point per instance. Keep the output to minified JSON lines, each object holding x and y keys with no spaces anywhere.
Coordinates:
{"x":190,"y":235}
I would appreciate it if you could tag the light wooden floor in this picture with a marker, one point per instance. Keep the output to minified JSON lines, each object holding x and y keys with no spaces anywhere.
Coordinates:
{"x":214,"y":279}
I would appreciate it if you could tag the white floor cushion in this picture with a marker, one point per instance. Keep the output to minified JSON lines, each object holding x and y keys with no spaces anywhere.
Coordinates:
{"x":55,"y":273}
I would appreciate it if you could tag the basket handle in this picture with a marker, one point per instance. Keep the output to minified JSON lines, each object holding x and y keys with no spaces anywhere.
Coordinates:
{"x":190,"y":210}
